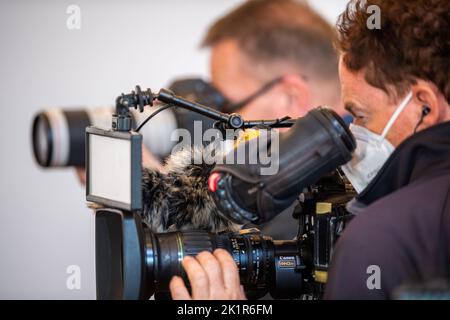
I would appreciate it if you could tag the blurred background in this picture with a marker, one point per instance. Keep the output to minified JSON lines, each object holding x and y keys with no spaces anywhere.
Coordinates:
{"x":45,"y":225}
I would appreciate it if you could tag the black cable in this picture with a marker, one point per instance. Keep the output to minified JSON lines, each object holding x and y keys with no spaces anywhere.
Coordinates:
{"x":282,"y":120}
{"x":418,"y":124}
{"x":425,"y":111}
{"x":154,"y":114}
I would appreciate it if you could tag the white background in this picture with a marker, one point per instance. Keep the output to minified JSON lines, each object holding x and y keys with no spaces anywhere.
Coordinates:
{"x":45,"y":225}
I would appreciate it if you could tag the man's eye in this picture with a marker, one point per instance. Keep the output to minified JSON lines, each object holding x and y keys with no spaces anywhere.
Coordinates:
{"x":358,"y":114}
{"x":360,"y":120}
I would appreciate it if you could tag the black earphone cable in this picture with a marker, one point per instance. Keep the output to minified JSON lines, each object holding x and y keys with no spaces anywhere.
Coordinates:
{"x":425,"y":111}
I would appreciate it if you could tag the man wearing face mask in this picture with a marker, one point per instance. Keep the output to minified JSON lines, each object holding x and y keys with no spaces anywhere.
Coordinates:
{"x":395,"y":83}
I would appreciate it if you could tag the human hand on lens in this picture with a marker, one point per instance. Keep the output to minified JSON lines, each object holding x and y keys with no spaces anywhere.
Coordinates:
{"x":212,"y":276}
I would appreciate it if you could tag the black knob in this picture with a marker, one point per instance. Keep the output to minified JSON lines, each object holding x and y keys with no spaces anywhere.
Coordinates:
{"x":236,"y":121}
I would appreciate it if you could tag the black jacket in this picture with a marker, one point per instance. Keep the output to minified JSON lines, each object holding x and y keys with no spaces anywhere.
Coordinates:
{"x":404,"y":230}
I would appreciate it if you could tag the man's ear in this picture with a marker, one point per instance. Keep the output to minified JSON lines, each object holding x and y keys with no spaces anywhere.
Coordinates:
{"x":429,"y":111}
{"x":298,"y":94}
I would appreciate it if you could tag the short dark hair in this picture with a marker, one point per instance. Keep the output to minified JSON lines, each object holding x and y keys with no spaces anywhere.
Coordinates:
{"x":412,"y":43}
{"x":280,"y":30}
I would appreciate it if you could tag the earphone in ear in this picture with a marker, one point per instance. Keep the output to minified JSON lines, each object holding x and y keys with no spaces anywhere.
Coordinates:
{"x":425,"y":111}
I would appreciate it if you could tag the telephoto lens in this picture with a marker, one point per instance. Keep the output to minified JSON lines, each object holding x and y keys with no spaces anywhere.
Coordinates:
{"x":134,"y":263}
{"x":58,"y":134}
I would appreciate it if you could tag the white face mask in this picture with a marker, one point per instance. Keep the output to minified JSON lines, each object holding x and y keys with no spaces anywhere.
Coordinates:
{"x":372,"y":151}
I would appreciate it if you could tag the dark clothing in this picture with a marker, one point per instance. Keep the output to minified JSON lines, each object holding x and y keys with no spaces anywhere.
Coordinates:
{"x":405,"y":228}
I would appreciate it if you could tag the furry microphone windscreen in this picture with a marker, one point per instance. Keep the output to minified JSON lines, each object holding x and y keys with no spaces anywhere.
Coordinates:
{"x":178,"y":197}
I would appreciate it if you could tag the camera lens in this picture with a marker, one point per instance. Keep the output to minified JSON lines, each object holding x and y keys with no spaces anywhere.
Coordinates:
{"x":264,"y":265}
{"x":58,"y":135}
{"x":42,"y":140}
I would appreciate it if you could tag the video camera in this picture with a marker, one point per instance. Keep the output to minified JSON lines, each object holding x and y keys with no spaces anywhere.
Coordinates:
{"x":132,"y":262}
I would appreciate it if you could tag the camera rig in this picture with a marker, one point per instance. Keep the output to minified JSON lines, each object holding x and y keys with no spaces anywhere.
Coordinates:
{"x":139,"y":99}
{"x":134,"y":263}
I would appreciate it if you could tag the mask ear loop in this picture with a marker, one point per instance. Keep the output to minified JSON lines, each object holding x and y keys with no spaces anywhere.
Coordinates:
{"x":397,"y":112}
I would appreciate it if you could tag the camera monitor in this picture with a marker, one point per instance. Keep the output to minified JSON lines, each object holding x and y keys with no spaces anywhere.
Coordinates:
{"x":113,"y":168}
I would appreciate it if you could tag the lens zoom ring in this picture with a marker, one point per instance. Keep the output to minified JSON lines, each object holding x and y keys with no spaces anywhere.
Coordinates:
{"x":195,"y":242}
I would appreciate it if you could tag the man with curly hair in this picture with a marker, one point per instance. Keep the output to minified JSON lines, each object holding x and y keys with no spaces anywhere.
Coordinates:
{"x":395,"y":83}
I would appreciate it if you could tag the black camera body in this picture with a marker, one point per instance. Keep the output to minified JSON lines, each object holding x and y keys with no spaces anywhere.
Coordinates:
{"x":322,"y":218}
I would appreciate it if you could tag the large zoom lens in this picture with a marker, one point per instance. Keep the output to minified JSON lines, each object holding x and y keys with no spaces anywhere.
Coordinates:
{"x":134,"y":263}
{"x":264,"y":265}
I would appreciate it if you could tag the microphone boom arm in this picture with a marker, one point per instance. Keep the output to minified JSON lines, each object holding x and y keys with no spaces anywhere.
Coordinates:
{"x":140,"y":99}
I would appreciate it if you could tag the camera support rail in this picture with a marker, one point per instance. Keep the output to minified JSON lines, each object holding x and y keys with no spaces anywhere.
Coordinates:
{"x":139,"y":99}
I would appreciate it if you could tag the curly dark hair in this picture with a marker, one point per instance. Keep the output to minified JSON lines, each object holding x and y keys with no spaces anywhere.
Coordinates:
{"x":412,"y":43}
